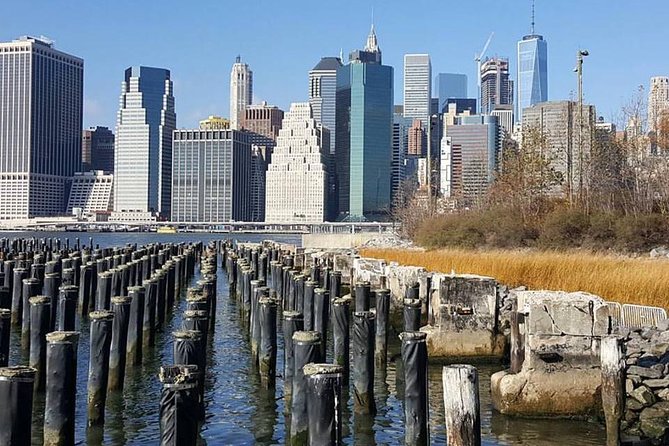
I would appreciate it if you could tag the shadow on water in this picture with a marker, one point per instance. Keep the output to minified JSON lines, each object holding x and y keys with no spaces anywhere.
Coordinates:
{"x":240,"y":412}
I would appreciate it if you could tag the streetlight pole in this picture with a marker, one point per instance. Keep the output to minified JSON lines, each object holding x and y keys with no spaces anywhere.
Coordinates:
{"x":579,"y":70}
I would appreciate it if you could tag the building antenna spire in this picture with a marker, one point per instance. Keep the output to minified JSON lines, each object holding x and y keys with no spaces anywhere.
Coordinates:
{"x":532,"y":17}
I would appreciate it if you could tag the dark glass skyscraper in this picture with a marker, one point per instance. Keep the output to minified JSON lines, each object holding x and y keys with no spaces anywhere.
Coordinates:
{"x":364,"y":120}
{"x":41,"y":106}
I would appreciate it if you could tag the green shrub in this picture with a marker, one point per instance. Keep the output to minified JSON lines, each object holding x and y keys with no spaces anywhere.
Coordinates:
{"x":642,"y":233}
{"x":504,"y":228}
{"x":564,"y":228}
{"x":602,"y":231}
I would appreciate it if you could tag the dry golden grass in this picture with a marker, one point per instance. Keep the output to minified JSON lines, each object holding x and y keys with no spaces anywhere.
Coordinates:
{"x":618,"y":279}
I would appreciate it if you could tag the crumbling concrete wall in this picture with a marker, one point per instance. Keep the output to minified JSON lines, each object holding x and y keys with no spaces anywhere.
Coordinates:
{"x":560,"y":375}
{"x":465,"y":314}
{"x":647,"y":385}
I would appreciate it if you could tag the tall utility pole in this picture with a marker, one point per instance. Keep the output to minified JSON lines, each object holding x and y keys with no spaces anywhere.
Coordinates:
{"x":579,"y":70}
{"x":429,"y":158}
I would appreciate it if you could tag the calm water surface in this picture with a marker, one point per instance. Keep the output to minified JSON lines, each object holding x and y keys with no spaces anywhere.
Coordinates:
{"x":240,"y":412}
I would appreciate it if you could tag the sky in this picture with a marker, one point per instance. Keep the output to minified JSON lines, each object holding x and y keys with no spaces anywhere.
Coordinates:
{"x":282,"y":40}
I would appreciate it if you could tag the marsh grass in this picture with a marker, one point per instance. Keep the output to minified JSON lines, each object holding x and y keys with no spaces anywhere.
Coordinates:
{"x":614,"y":278}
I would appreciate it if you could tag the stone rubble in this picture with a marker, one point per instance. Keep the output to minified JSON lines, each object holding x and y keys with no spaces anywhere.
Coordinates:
{"x":647,"y":385}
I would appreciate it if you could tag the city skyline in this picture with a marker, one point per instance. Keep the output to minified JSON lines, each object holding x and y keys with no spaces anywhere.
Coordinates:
{"x":281,"y":80}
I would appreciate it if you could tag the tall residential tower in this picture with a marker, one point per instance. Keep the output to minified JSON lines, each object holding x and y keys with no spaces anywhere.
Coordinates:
{"x":41,"y":101}
{"x":143,"y":149}
{"x":496,"y":87}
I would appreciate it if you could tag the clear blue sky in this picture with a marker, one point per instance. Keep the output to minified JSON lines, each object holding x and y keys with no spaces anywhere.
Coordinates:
{"x":282,"y":40}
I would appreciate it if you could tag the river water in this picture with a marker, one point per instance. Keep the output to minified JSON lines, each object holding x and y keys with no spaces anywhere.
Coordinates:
{"x":240,"y":412}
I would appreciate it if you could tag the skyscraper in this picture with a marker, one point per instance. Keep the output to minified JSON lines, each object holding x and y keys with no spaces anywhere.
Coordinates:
{"x":658,"y":101}
{"x":474,"y":146}
{"x":297,"y":179}
{"x":211,"y":176}
{"x":496,"y":87}
{"x":417,"y":139}
{"x":417,"y":86}
{"x":565,"y":143}
{"x":41,"y":101}
{"x":241,"y":92}
{"x":400,"y":143}
{"x":143,"y":149}
{"x":97,"y":149}
{"x":450,"y":86}
{"x":263,"y":119}
{"x":532,"y":72}
{"x":364,"y":134}
{"x":323,"y":93}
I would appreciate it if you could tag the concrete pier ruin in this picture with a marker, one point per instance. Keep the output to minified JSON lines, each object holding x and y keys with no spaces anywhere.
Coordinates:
{"x":560,"y":372}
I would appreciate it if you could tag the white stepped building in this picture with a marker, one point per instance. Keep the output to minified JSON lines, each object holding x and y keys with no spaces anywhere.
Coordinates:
{"x":297,"y":177}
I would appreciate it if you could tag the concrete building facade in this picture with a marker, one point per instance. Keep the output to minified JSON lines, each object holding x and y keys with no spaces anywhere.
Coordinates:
{"x":263,"y":119}
{"x":564,"y":137}
{"x":90,"y":192}
{"x":323,"y":94}
{"x":241,"y":92}
{"x":143,"y":146}
{"x":41,"y":109}
{"x":211,"y":176}
{"x":297,"y":179}
{"x":658,"y":101}
{"x":417,"y":139}
{"x":417,"y":86}
{"x":474,"y":145}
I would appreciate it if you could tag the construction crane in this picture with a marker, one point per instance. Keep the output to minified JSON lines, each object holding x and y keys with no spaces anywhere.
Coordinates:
{"x":477,"y":59}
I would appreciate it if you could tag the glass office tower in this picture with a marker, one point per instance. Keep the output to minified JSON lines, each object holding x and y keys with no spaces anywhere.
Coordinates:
{"x":532,"y":72}
{"x":364,"y":120}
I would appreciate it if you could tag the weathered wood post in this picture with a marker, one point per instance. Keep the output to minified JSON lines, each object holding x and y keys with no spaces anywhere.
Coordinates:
{"x":613,"y":387}
{"x":306,"y":345}
{"x":381,"y":338}
{"x":178,"y":405}
{"x":363,"y":362}
{"x":98,"y":366}
{"x":461,"y":405}
{"x":324,"y":401}
{"x":119,"y":342}
{"x":5,"y":328}
{"x":67,"y":307}
{"x":61,"y":387}
{"x":341,"y":321}
{"x":412,"y":309}
{"x":292,"y":322}
{"x":40,"y":312}
{"x":268,"y":341}
{"x":135,"y":325}
{"x":414,"y":357}
{"x":16,"y":394}
{"x":322,"y":316}
{"x":517,"y":353}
